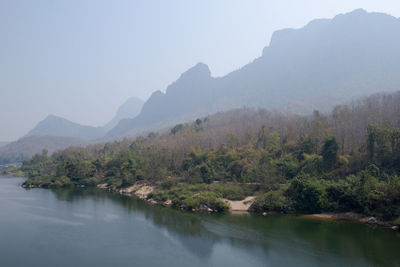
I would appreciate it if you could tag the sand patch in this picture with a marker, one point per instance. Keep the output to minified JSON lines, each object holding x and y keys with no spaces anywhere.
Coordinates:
{"x":240,"y":205}
{"x":102,"y":186}
{"x":143,"y":191}
{"x":139,"y":190}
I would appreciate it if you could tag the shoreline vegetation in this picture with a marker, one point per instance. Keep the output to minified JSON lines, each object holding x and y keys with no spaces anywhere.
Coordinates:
{"x":144,"y":193}
{"x":343,"y":162}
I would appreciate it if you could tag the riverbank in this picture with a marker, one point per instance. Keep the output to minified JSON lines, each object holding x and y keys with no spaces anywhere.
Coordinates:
{"x":143,"y":192}
{"x":352,"y":216}
{"x":209,"y":198}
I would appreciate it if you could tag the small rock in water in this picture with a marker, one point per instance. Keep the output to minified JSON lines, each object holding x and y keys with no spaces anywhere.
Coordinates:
{"x":372,"y":220}
{"x":395,"y":228}
{"x":167,"y":203}
{"x":152,"y":201}
{"x":264,"y":213}
{"x":203,"y":207}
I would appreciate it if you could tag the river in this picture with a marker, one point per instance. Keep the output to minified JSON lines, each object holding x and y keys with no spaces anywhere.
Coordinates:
{"x":91,"y":227}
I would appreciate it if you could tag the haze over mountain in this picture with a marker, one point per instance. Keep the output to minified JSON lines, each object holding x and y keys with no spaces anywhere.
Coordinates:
{"x":329,"y":61}
{"x":324,"y":63}
{"x":26,"y":147}
{"x":130,"y":109}
{"x":57,"y":126}
{"x":55,"y":133}
{"x":3,"y":143}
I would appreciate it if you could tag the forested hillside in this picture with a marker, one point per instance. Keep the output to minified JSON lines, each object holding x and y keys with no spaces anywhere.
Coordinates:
{"x":346,"y":160}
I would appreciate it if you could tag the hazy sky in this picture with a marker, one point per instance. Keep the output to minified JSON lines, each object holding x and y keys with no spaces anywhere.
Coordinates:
{"x":81,"y":59}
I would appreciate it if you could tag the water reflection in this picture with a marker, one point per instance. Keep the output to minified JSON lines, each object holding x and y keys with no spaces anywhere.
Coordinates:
{"x":187,"y":228}
{"x":279,"y":239}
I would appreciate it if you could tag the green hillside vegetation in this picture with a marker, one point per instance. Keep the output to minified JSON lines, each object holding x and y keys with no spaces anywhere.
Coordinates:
{"x":347,"y":160}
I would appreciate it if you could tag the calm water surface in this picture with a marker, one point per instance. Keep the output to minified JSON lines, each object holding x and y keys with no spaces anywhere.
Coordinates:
{"x":88,"y":227}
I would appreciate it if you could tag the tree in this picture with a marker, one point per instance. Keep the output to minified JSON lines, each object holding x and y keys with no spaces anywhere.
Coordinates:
{"x":371,"y":138}
{"x":45,"y":152}
{"x":330,"y":151}
{"x":177,"y":128}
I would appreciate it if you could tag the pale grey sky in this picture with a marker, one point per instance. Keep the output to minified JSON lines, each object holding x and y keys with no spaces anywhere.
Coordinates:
{"x":81,"y":59}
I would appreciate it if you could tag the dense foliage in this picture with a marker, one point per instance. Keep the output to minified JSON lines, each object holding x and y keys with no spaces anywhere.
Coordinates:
{"x":348,"y":160}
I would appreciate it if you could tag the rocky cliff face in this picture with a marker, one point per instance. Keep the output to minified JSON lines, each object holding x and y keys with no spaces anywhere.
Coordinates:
{"x":324,"y":63}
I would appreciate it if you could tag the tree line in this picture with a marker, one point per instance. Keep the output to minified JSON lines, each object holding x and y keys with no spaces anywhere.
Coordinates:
{"x":346,"y":160}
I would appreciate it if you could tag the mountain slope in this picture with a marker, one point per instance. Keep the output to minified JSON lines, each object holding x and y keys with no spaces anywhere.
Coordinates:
{"x":57,"y":126}
{"x":26,"y":147}
{"x":3,"y":143}
{"x":130,"y":109}
{"x":178,"y":104}
{"x":326,"y":62}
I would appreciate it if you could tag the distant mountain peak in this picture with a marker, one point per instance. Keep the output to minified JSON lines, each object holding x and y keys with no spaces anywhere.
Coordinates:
{"x":198,"y":74}
{"x":130,"y":101}
{"x":350,"y":21}
{"x":357,"y":12}
{"x":350,"y":55}
{"x":54,"y":125}
{"x":53,"y":117}
{"x":156,"y":94}
{"x":57,"y":120}
{"x":129,"y":109}
{"x":197,"y":71}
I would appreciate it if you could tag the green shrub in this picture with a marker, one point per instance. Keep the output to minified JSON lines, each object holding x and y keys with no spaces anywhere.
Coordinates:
{"x":272,"y":201}
{"x":206,"y":198}
{"x":230,"y":191}
{"x":307,"y":195}
{"x":63,"y":181}
{"x":158,"y":196}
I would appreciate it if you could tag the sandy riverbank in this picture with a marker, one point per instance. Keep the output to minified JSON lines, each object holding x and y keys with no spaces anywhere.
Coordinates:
{"x":240,"y":205}
{"x":142,"y":191}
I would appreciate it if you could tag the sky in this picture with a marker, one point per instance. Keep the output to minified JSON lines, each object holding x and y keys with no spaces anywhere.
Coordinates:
{"x":81,"y":59}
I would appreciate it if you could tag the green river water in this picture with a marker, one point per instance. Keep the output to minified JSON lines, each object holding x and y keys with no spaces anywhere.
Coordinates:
{"x":90,"y":227}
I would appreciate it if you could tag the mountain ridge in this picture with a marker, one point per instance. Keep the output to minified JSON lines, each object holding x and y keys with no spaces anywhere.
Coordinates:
{"x":54,"y":125}
{"x":348,"y":56}
{"x":26,"y":147}
{"x":129,"y":109}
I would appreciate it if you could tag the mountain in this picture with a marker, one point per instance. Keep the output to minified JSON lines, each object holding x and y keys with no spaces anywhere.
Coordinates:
{"x":26,"y":147}
{"x":3,"y":143}
{"x":326,"y":62}
{"x":130,"y":109}
{"x":57,"y":126}
{"x":176,"y":105}
{"x":53,"y":133}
